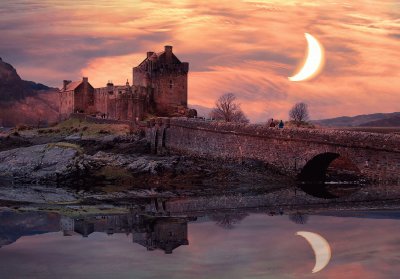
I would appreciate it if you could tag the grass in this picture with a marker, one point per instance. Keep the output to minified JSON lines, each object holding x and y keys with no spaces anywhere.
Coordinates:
{"x":66,"y":145}
{"x":120,"y":179}
{"x":84,"y":128}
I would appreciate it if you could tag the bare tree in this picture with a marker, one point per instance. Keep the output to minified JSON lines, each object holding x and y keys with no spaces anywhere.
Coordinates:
{"x":298,"y":218}
{"x":228,"y":220}
{"x":299,"y":113}
{"x":228,"y":109}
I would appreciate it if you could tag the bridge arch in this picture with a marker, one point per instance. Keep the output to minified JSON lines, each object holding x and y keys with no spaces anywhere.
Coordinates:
{"x":329,"y":175}
{"x":315,"y":168}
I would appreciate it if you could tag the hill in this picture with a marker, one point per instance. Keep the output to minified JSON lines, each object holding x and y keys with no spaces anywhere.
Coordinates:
{"x":18,"y":97}
{"x":392,"y":121}
{"x":365,"y":120}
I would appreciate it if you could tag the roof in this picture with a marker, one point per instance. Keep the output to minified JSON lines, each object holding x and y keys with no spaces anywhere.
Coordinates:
{"x":160,"y":56}
{"x":72,"y":85}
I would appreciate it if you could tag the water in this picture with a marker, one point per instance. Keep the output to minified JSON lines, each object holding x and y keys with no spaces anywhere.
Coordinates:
{"x":234,"y":244}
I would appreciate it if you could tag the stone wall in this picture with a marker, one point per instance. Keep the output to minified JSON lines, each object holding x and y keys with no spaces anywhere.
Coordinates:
{"x":84,"y":98}
{"x":66,"y":104}
{"x":170,"y":90}
{"x":96,"y":120}
{"x":377,"y":156}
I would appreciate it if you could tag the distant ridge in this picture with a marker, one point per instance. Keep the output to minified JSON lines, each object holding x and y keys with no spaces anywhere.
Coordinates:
{"x":364,"y":120}
{"x":13,"y":88}
{"x":393,"y":121}
{"x":25,"y":102}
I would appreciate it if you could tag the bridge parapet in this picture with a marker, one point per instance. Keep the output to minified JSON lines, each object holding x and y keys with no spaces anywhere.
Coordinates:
{"x":377,"y":156}
{"x":389,"y":142}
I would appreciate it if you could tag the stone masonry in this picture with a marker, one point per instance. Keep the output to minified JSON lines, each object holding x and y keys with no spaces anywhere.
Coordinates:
{"x":159,"y":88}
{"x":377,"y":156}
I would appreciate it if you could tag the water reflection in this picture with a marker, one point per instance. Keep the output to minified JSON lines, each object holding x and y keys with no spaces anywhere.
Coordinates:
{"x":298,"y":218}
{"x":321,"y":248}
{"x":257,"y":244}
{"x":228,"y":220}
{"x":330,"y":190}
{"x":163,"y":233}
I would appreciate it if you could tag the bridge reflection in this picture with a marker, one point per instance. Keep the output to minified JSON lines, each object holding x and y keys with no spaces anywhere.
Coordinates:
{"x":162,"y":223}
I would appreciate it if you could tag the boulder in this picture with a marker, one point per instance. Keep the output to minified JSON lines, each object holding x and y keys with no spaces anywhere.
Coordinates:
{"x":38,"y":163}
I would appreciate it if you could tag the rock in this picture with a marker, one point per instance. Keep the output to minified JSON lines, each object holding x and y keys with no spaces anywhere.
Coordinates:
{"x":135,"y":164}
{"x":109,"y":138}
{"x":75,"y":136}
{"x":38,"y":163}
{"x":144,"y":165}
{"x":37,"y":194}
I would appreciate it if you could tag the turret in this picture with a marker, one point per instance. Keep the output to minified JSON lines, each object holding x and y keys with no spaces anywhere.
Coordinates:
{"x":110,"y":87}
{"x":65,"y":84}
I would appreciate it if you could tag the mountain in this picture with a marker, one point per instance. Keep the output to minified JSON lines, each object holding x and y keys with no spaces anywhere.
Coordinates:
{"x":18,"y":97}
{"x":12,"y":87}
{"x":14,"y":225}
{"x":369,"y":120}
{"x":392,"y":121}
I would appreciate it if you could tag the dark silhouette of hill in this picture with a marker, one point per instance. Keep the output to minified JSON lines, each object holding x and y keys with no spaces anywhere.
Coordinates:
{"x":37,"y":86}
{"x":12,"y":87}
{"x":365,"y":120}
{"x":393,"y":121}
{"x":25,"y":102}
{"x":14,"y":225}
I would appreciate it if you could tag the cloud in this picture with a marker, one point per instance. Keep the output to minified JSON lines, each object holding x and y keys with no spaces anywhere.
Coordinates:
{"x":249,"y":48}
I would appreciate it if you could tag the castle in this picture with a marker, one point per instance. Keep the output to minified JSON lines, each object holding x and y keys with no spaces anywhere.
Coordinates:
{"x":159,"y":88}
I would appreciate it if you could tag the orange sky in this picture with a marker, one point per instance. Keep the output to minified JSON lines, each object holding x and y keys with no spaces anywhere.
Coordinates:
{"x":246,"y":47}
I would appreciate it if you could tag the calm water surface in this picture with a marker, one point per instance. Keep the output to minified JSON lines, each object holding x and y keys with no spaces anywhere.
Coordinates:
{"x":220,"y":245}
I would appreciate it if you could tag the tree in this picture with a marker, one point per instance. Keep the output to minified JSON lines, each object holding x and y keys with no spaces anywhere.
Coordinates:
{"x":299,"y":113}
{"x":228,"y":109}
{"x":228,"y":220}
{"x":298,"y":218}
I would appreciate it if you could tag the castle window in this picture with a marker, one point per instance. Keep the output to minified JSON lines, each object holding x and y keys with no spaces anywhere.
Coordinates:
{"x":170,"y":84}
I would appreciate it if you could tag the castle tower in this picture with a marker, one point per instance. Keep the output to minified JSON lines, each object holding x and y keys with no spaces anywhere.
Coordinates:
{"x":166,"y":77}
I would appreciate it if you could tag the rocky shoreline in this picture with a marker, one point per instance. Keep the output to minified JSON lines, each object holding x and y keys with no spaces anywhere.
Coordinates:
{"x":72,"y":168}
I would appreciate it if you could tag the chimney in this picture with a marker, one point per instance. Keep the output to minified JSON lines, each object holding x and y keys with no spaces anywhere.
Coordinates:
{"x":168,"y":49}
{"x":85,"y":79}
{"x":168,"y":54}
{"x":150,"y":53}
{"x":65,"y":83}
{"x":110,"y":87}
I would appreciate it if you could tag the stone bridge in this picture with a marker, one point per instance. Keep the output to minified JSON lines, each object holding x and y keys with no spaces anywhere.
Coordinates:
{"x":305,"y":153}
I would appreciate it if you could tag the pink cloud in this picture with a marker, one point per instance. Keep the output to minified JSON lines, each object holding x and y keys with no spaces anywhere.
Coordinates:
{"x":249,"y":48}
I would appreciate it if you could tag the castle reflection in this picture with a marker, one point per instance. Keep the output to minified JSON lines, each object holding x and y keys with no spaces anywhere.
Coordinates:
{"x":153,"y":232}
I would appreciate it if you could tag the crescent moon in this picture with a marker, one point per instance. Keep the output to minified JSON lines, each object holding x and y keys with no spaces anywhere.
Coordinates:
{"x":321,"y":249}
{"x":314,"y":61}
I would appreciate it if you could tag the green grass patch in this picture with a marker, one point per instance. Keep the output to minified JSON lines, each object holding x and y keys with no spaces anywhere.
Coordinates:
{"x":66,"y":145}
{"x":85,"y":128}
